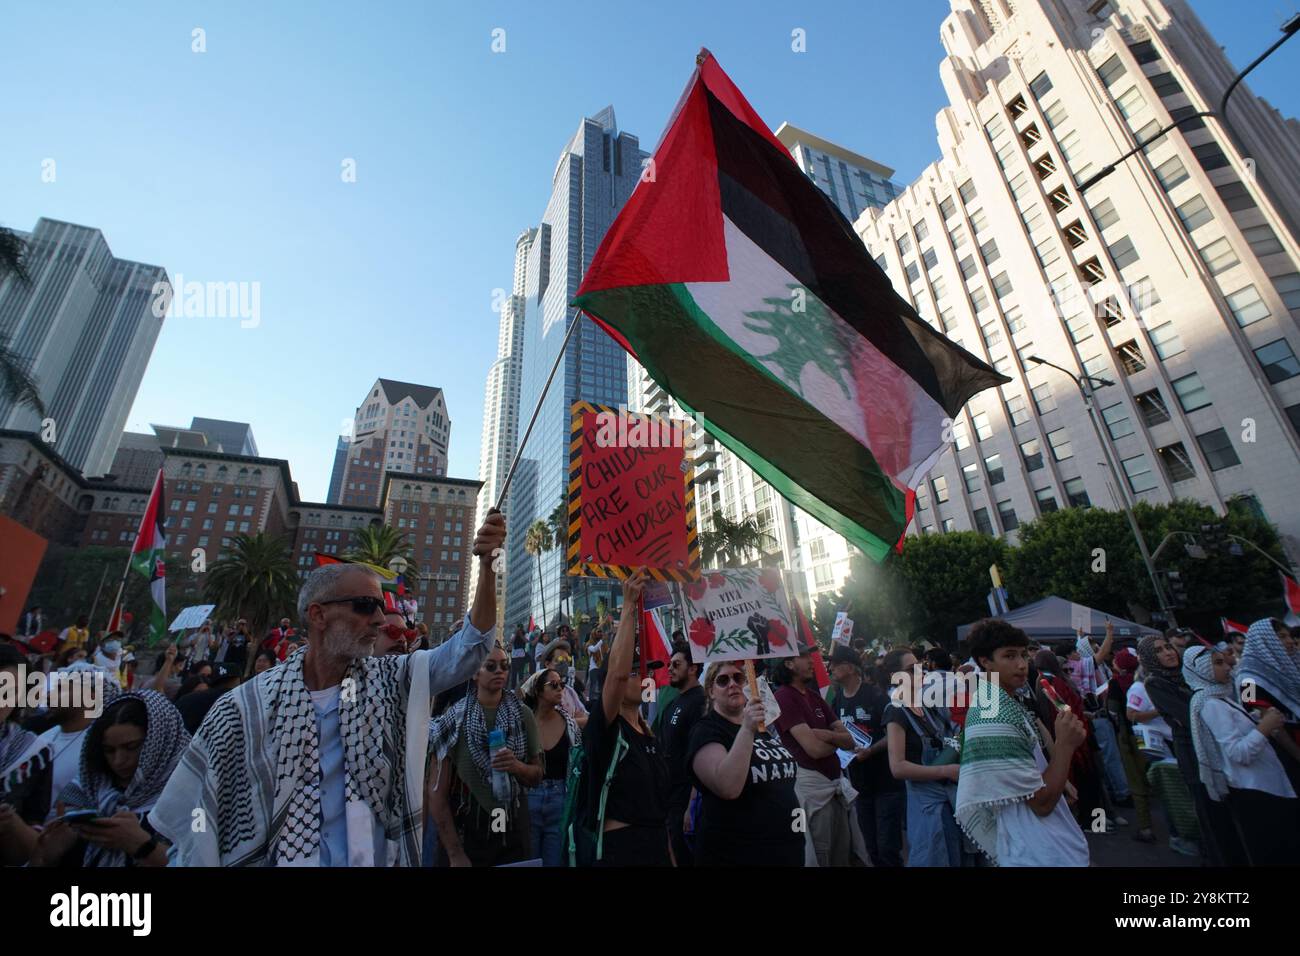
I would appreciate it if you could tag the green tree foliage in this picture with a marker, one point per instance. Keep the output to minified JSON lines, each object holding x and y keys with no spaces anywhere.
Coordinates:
{"x":948,"y":580}
{"x":254,"y":578}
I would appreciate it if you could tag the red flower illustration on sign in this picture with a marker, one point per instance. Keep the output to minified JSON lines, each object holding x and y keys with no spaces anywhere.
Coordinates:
{"x":696,"y":590}
{"x":702,"y":632}
{"x":717,"y":580}
{"x":776,"y":633}
{"x":770,"y":579}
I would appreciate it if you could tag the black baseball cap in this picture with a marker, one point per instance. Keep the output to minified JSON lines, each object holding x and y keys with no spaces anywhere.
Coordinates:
{"x":844,"y":655}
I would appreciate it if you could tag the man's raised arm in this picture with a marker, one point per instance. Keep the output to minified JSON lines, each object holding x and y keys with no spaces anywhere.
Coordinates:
{"x":457,"y":660}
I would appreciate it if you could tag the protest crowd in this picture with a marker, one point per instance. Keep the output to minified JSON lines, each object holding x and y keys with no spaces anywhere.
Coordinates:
{"x":344,"y":741}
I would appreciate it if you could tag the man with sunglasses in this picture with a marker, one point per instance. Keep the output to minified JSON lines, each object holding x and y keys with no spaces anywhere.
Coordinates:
{"x":321,"y":761}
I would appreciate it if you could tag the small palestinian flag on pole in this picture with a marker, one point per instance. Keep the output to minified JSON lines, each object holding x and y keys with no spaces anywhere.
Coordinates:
{"x":819,"y":666}
{"x":1231,"y":627}
{"x":1291,"y":594}
{"x":148,"y":554}
{"x":749,"y":298}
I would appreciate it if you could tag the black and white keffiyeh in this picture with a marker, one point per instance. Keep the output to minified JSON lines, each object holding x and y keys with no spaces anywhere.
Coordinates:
{"x":165,"y":739}
{"x":466,"y":719}
{"x":254,"y":768}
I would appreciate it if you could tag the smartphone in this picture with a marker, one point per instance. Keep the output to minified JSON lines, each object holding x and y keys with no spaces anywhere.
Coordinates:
{"x":80,"y":816}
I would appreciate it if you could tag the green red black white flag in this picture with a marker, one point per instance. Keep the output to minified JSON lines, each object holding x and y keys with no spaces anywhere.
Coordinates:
{"x":147,"y":557}
{"x":749,"y":298}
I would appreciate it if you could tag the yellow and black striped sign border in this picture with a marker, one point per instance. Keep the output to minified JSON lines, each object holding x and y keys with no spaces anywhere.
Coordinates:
{"x":576,"y":567}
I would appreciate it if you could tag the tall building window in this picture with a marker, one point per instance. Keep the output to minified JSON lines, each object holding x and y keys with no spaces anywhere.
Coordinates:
{"x":1008,"y":515}
{"x":1139,"y":474}
{"x":971,"y":477}
{"x":982,"y":523}
{"x":1152,"y":406}
{"x":1044,"y":400}
{"x":1194,"y":213}
{"x":1165,"y":340}
{"x":1039,"y":85}
{"x":993,"y":464}
{"x":1104,"y":213}
{"x":1059,"y":439}
{"x":1123,"y":253}
{"x":1117,"y":421}
{"x":1177,"y":463}
{"x":1218,"y":450}
{"x":1262,"y":239}
{"x":983,"y":430}
{"x":1046,"y":500}
{"x":1032,"y":452}
{"x":1247,"y":306}
{"x":1277,"y":361}
{"x":940,"y":489}
{"x":1076,"y":494}
{"x":1171,"y":172}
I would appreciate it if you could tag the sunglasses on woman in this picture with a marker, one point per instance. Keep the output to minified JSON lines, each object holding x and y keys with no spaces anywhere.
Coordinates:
{"x":399,"y":633}
{"x":726,"y":680}
{"x":493,"y":666}
{"x":360,"y":605}
{"x":553,"y":685}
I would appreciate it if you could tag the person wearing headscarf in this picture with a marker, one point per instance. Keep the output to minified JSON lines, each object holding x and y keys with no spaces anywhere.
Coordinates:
{"x":1268,"y":676}
{"x":127,"y":757}
{"x":1237,"y":765}
{"x":1172,"y":696}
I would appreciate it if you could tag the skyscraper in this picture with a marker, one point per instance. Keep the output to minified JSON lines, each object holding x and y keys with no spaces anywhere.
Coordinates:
{"x":1175,"y":280}
{"x":854,"y":182}
{"x":335,"y":492}
{"x":86,"y":324}
{"x":596,"y":173}
{"x":398,"y":427}
{"x":501,"y":398}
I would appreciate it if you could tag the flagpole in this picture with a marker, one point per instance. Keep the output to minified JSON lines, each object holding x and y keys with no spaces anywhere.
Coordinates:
{"x":117,"y":600}
{"x":505,"y":485}
{"x":95,"y":603}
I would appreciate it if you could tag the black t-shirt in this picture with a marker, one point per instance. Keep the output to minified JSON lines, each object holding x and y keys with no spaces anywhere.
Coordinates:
{"x":912,"y":751}
{"x":866,"y":709}
{"x":756,"y":828}
{"x":638,"y":794}
{"x":683,"y":714}
{"x":556,"y":760}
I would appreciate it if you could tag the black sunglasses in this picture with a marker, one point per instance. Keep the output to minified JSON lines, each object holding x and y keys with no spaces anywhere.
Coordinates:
{"x":493,"y":666}
{"x":360,"y":605}
{"x":724,"y":680}
{"x":553,"y":685}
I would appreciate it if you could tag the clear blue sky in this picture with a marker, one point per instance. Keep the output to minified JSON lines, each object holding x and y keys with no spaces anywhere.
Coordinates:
{"x":225,"y":166}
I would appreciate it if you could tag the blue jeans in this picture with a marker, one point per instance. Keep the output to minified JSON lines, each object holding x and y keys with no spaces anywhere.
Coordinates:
{"x":933,"y":838}
{"x":545,"y":808}
{"x":1111,"y":761}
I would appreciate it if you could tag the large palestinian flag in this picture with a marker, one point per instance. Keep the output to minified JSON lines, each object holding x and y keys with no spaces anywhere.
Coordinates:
{"x":749,"y":298}
{"x":147,"y":557}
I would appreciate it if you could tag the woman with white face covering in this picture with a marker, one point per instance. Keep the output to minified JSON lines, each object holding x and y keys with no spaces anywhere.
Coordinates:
{"x":1237,"y":762}
{"x":109,"y":655}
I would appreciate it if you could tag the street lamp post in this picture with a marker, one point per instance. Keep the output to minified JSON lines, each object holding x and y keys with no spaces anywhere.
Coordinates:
{"x":1084,"y":385}
{"x":1288,"y":30}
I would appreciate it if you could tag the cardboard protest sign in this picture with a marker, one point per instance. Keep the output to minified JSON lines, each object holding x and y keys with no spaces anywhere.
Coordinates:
{"x":843,"y":631}
{"x":737,"y":614}
{"x":631,"y":496}
{"x":192,"y":617}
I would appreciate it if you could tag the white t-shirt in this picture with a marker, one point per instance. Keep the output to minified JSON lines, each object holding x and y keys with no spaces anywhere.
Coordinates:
{"x":65,"y":752}
{"x":1155,"y":735}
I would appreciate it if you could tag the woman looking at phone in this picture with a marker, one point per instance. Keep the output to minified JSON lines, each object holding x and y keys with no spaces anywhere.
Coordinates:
{"x":127,"y":757}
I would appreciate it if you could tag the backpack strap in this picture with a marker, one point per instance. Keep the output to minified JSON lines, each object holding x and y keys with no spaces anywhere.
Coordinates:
{"x":621,"y":747}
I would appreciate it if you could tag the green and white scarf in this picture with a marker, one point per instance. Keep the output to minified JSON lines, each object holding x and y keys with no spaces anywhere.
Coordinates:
{"x":997,"y":766}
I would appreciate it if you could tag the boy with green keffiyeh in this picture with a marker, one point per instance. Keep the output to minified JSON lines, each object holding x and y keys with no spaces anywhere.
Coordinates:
{"x":1008,"y":794}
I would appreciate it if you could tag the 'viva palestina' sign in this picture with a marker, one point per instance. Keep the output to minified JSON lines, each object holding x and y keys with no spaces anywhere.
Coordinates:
{"x":737,"y":614}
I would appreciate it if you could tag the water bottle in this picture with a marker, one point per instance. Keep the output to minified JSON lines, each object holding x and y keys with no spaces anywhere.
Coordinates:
{"x":500,"y":778}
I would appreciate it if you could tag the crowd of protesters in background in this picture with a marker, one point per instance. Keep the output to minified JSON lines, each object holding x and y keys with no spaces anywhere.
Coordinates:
{"x":545,"y":748}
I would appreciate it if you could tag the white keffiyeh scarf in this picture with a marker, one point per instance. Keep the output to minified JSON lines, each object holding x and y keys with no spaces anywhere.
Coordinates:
{"x":254,"y":769}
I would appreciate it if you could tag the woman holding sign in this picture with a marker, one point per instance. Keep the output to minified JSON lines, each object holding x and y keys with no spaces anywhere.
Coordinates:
{"x":750,"y":812}
{"x":627,"y":773}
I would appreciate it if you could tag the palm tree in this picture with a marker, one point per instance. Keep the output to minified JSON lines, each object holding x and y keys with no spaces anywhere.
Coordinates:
{"x":558,"y":525}
{"x":16,"y":382}
{"x":729,"y":540}
{"x":380,"y":545}
{"x":536,"y":540}
{"x":255,"y":579}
